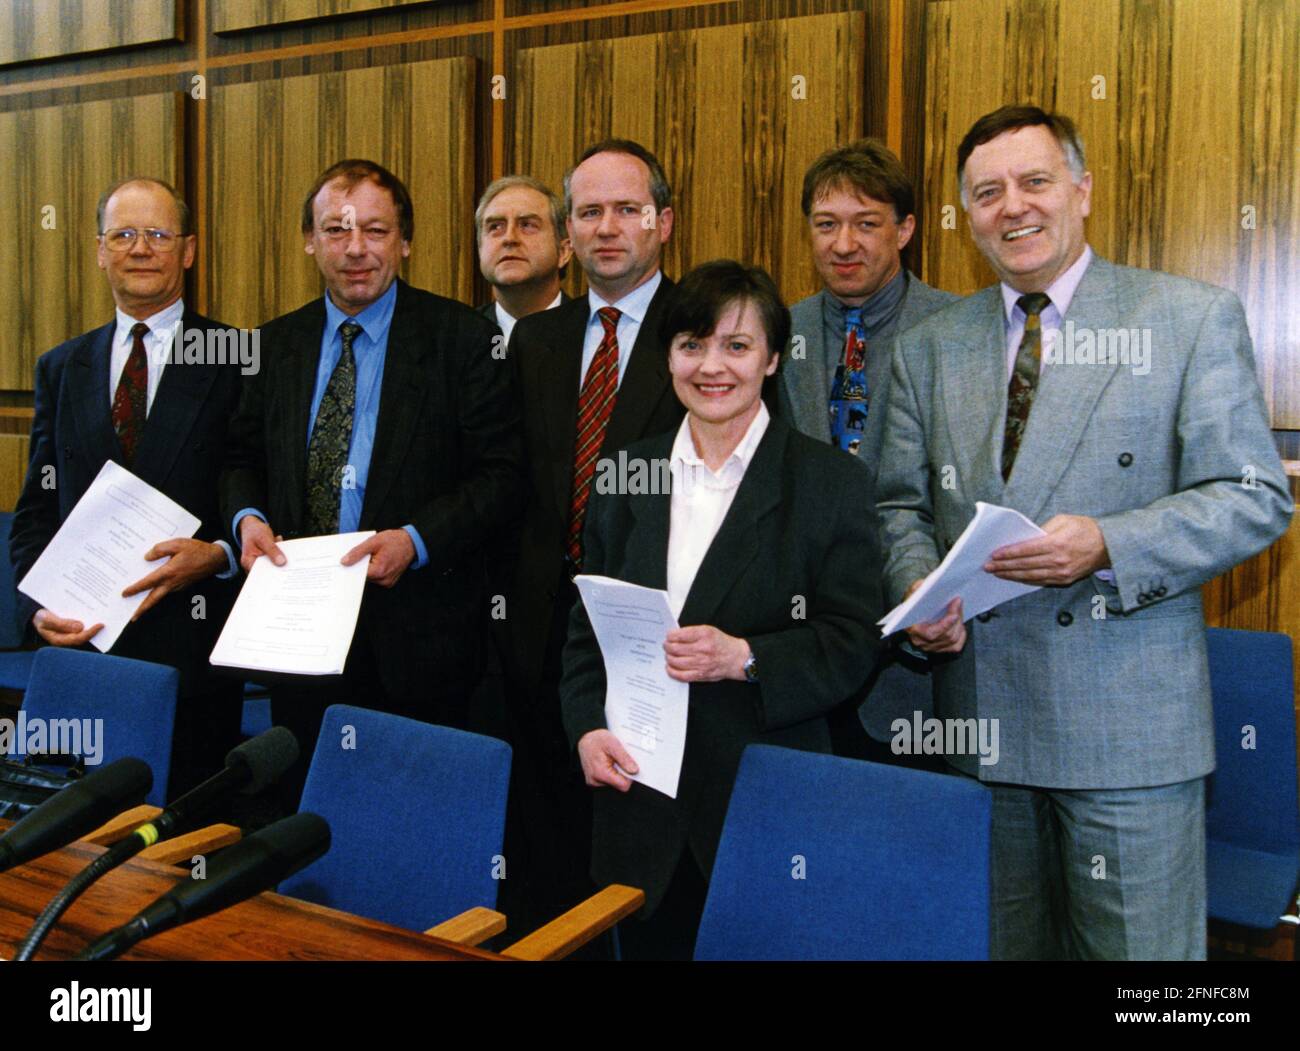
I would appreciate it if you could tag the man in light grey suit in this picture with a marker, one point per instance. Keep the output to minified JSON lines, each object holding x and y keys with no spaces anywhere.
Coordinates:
{"x":1119,"y":409}
{"x":860,"y":209}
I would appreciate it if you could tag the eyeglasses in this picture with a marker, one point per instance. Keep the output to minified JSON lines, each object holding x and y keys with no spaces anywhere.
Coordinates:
{"x":124,"y":240}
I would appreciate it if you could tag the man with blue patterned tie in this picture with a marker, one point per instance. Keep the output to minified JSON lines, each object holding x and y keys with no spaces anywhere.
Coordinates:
{"x":835,"y":379}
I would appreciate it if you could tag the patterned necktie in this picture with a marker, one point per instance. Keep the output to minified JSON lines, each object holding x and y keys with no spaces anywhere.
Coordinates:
{"x":1024,"y":378}
{"x":849,"y":394}
{"x":131,"y":399}
{"x":331,"y":438}
{"x":595,"y":403}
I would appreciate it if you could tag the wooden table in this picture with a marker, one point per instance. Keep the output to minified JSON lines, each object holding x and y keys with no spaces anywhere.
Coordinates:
{"x":268,"y":927}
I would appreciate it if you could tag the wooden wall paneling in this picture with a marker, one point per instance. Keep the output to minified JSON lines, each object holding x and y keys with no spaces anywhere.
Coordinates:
{"x":59,"y":161}
{"x":13,"y":468}
{"x":270,"y":139}
{"x":721,"y":109}
{"x":1189,"y":111}
{"x":231,"y":15}
{"x":41,"y":29}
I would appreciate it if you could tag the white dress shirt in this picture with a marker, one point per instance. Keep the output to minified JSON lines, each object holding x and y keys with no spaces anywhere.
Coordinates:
{"x":701,"y":499}
{"x":506,"y":320}
{"x":632,"y":308}
{"x":157,"y":348}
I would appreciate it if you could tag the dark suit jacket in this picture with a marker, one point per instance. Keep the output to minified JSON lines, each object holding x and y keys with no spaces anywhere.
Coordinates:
{"x":180,"y":454}
{"x":546,"y":349}
{"x":446,"y":460}
{"x":488,"y":312}
{"x":798,"y":527}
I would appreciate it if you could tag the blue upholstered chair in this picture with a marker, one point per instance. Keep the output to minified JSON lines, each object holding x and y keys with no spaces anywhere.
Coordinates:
{"x":826,"y":858}
{"x":15,"y":664}
{"x":1252,"y":818}
{"x":416,"y":813}
{"x":135,"y":699}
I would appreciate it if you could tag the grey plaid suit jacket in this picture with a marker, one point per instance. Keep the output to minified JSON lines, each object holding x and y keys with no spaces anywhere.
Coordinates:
{"x":898,"y":687}
{"x":1093,"y":685}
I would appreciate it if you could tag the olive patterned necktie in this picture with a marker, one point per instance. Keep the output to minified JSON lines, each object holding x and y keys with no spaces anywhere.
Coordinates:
{"x":331,"y":438}
{"x":1024,"y":377}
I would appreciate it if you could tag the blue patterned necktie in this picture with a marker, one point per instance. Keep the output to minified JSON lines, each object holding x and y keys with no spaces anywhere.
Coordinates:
{"x":331,"y":438}
{"x":849,"y":394}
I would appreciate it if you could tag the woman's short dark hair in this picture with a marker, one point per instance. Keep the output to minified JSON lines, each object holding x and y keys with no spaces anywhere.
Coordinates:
{"x":702,"y":295}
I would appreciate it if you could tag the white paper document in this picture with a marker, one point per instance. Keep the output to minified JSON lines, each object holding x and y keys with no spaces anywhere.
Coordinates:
{"x":644,"y":707}
{"x":962,"y":572}
{"x":99,"y":551}
{"x":297,"y":619}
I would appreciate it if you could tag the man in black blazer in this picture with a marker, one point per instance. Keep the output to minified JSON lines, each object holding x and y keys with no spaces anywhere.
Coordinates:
{"x":150,"y":391}
{"x":619,"y":216}
{"x":523,"y":249}
{"x":380,"y":407}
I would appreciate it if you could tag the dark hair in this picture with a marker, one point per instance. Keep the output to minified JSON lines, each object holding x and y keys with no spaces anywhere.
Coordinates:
{"x":660,"y":192}
{"x":702,"y":295}
{"x":182,"y":209}
{"x":354,"y":171}
{"x":867,"y":167}
{"x":1009,"y":118}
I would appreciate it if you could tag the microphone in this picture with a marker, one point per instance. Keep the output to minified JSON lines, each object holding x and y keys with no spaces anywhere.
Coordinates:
{"x":79,"y":808}
{"x":239,"y":872}
{"x":250,"y":767}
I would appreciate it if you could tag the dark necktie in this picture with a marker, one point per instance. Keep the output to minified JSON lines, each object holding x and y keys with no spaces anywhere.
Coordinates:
{"x":331,"y":438}
{"x":595,"y":404}
{"x":1024,"y":378}
{"x":849,"y":394}
{"x":131,"y":399}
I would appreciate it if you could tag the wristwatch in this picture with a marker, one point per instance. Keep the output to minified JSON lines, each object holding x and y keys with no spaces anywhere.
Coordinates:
{"x":751,"y":668}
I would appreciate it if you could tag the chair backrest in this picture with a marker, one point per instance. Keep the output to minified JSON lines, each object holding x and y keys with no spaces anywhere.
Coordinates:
{"x":11,"y":632}
{"x":130,"y":705}
{"x":416,"y":814}
{"x":1252,"y":799}
{"x":828,"y":859}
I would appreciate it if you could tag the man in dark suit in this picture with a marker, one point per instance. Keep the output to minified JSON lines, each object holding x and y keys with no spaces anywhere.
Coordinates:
{"x":130,"y":393}
{"x":834,"y":382}
{"x":523,"y":249}
{"x":619,"y":208}
{"x":380,"y":407}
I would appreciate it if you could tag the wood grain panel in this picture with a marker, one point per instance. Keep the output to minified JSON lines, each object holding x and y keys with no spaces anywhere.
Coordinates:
{"x":269,"y":140}
{"x":13,"y":468}
{"x":40,"y":29}
{"x":230,"y":15}
{"x":58,"y":161}
{"x":1189,"y":110}
{"x":719,"y":107}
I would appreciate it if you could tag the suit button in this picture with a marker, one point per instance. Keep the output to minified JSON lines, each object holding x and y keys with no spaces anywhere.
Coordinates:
{"x":1160,"y":591}
{"x":1125,"y":459}
{"x":984,"y":618}
{"x":1065,"y":618}
{"x":1143,"y":598}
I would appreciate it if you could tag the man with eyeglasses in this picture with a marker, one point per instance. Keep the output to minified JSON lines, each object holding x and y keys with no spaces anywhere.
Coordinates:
{"x":380,"y":407}
{"x":120,"y":393}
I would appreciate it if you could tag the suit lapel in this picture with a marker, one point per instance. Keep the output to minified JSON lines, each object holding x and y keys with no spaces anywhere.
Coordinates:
{"x":644,"y":382}
{"x":1065,"y":399}
{"x":808,"y":381}
{"x":302,"y":354}
{"x":561,"y":418}
{"x":88,"y":381}
{"x":647,"y":543}
{"x":176,"y":407}
{"x":401,"y":397}
{"x":737,"y":542}
{"x":972,"y":374}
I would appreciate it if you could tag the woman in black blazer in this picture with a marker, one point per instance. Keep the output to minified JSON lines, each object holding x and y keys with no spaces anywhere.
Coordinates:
{"x":772,"y":604}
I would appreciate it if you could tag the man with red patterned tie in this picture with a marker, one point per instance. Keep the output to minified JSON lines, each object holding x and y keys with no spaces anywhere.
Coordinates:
{"x":594,"y":377}
{"x":124,"y":392}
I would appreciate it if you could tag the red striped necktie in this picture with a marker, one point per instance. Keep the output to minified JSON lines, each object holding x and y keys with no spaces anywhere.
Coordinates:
{"x":595,"y":404}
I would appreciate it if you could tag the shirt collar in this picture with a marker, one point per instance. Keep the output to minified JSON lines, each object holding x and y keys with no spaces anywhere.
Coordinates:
{"x":1060,"y":291}
{"x":633,"y":305}
{"x":374,"y":320}
{"x":163,"y":321}
{"x":684,"y":445}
